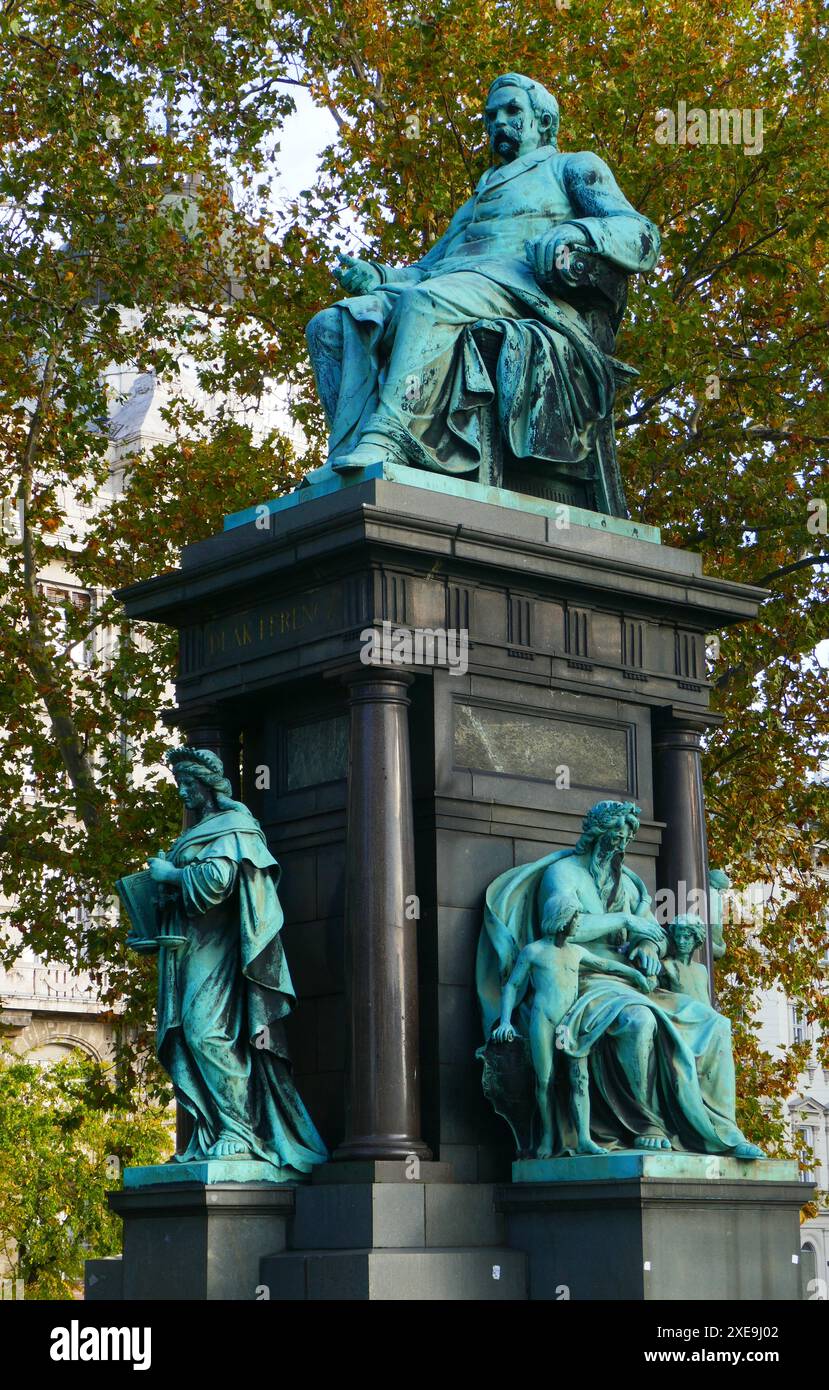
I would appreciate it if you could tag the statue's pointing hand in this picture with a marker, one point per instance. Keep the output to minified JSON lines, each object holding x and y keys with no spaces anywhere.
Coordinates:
{"x":358,"y":277}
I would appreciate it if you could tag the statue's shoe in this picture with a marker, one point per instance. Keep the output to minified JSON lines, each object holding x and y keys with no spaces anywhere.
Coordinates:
{"x":746,"y":1150}
{"x":375,"y":446}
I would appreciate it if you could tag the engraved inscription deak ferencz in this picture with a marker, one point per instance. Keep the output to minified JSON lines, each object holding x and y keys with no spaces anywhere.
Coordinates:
{"x":269,"y":626}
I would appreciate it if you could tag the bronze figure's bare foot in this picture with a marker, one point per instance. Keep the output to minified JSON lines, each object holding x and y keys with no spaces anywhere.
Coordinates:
{"x":651,"y":1142}
{"x":228,"y":1147}
{"x":588,"y":1146}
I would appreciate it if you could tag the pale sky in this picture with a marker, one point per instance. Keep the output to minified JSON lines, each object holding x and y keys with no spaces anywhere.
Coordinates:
{"x":304,"y":136}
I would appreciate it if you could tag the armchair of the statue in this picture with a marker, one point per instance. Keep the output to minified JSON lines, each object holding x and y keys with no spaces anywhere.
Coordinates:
{"x":600,"y":295}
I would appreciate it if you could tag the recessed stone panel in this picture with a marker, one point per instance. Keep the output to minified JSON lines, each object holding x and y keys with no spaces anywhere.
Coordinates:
{"x":315,"y":752}
{"x":515,"y":743}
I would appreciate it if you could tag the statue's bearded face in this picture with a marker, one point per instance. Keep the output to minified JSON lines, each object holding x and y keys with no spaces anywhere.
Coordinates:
{"x":511,"y":124}
{"x":614,"y":841}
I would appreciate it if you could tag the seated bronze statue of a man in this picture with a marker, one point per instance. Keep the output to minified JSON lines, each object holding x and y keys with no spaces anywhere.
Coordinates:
{"x":398,"y":368}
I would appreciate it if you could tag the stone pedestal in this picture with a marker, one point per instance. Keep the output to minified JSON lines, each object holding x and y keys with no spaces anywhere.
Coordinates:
{"x":104,"y":1280}
{"x":357,"y":1230}
{"x":190,"y":1241}
{"x":680,"y":1227}
{"x":583,"y":639}
{"x":381,"y":1237}
{"x":392,"y":796}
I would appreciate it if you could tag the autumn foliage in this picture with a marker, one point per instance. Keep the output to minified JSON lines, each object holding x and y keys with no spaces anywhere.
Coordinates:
{"x":723,"y":443}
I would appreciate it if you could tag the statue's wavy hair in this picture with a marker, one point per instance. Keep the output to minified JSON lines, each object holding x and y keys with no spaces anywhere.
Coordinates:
{"x":208,"y":768}
{"x":543,"y":103}
{"x":604,"y":816}
{"x":561,"y":911}
{"x":691,"y":923}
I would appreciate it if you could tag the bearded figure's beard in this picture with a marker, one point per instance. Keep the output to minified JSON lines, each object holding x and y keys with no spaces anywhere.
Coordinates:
{"x":616,"y":862}
{"x":606,"y":870}
{"x":506,"y":145}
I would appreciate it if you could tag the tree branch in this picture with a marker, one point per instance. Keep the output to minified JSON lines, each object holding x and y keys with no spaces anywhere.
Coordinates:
{"x":648,"y":404}
{"x":804,"y":563}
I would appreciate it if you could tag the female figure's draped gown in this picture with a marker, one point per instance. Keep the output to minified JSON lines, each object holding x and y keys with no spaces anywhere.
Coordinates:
{"x":222,"y":997}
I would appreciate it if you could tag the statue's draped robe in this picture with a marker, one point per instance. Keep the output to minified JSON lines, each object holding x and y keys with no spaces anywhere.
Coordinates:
{"x":405,"y":353}
{"x":222,"y":998}
{"x":692,"y":1086}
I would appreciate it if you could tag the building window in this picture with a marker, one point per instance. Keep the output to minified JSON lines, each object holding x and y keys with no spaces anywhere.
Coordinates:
{"x":805,"y":1138}
{"x":62,"y":600}
{"x":800,"y":1028}
{"x":10,"y":518}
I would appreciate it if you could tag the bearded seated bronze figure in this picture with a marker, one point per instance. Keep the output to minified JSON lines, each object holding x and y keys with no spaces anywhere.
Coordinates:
{"x":492,"y":358}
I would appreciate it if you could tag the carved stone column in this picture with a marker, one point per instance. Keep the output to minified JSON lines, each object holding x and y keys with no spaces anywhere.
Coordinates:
{"x":382,"y":1081}
{"x":682,"y":866}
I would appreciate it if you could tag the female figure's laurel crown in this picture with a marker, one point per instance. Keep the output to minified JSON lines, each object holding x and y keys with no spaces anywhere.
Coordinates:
{"x":209,"y":760}
{"x":202,"y":763}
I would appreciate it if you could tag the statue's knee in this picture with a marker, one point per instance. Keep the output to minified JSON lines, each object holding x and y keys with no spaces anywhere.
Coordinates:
{"x":323,"y":333}
{"x":646,"y":1023}
{"x":639,"y":1022}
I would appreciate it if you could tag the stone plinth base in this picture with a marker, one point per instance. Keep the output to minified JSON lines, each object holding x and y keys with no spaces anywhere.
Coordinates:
{"x":636,"y":1163}
{"x":188,"y":1241}
{"x":666,"y":1226}
{"x":370,"y":1170}
{"x":209,"y":1173}
{"x":359,"y":1230}
{"x":393,"y":1240}
{"x":626,"y":1226}
{"x":443,"y":1275}
{"x":104,"y":1280}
